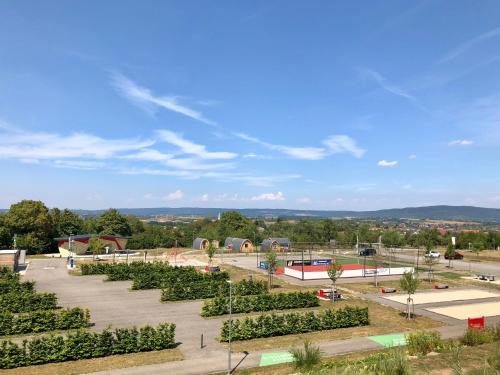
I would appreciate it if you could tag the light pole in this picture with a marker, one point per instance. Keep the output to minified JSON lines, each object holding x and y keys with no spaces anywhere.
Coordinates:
{"x":229,"y":368}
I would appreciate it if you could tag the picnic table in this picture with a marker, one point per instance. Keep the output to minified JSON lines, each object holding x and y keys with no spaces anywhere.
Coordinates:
{"x":486,"y":277}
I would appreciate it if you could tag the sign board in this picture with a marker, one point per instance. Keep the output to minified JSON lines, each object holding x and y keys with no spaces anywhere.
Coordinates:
{"x":453,"y":239}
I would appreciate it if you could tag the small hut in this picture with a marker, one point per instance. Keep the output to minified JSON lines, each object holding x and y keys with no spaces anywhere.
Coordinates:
{"x":200,"y":243}
{"x":242,"y":245}
{"x":278,"y":244}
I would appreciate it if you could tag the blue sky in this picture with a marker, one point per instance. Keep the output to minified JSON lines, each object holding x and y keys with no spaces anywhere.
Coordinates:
{"x":293,"y":104}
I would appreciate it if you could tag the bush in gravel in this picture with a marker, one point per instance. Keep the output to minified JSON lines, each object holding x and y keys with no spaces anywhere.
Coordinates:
{"x":261,"y":302}
{"x":306,"y":358}
{"x":269,"y":325}
{"x":43,"y":321}
{"x":421,"y":343}
{"x":209,"y":289}
{"x":83,"y":344}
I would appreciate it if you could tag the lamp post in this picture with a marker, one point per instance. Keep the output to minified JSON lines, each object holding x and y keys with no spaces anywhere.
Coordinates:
{"x":229,"y":368}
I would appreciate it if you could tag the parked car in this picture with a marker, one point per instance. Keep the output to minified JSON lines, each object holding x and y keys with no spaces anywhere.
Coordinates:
{"x":447,"y":255}
{"x":433,"y":254}
{"x":367,"y":252}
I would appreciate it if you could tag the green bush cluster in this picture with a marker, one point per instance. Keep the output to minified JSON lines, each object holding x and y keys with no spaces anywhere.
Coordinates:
{"x":423,"y":342}
{"x":208,"y":289}
{"x":43,"y":321}
{"x":269,"y":325}
{"x":473,"y":337}
{"x":154,"y":275}
{"x":83,"y":344}
{"x":19,"y":302}
{"x":260,"y":302}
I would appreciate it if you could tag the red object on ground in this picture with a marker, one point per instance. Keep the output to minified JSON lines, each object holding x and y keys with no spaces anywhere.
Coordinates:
{"x":475,"y":323}
{"x":280,"y":270}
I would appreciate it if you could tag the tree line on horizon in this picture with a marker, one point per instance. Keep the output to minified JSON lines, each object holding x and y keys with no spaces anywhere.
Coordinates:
{"x":34,"y":227}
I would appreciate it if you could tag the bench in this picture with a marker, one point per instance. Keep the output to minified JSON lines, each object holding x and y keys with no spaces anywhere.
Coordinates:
{"x":486,"y":277}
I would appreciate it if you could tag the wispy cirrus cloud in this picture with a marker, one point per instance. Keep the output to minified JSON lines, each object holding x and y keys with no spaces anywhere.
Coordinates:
{"x":144,"y":98}
{"x":461,"y":142}
{"x":464,"y":47}
{"x":192,"y":148}
{"x":334,"y":144}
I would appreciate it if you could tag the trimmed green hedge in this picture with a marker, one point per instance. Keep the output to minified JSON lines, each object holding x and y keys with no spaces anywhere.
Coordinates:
{"x":23,"y":301}
{"x":83,"y":344}
{"x":269,"y":325}
{"x":153,"y":275}
{"x":262,"y":302}
{"x":43,"y":321}
{"x":209,"y":289}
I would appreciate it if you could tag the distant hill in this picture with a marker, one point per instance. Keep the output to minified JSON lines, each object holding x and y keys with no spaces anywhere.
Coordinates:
{"x":462,"y":213}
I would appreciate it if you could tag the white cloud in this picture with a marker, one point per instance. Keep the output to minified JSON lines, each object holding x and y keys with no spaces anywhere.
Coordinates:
{"x":339,"y":200}
{"x":256,"y":156}
{"x":459,"y":50}
{"x":460,"y":142}
{"x":150,"y":155}
{"x":412,"y":157}
{"x":23,"y":145}
{"x":343,"y":144}
{"x":407,"y":186}
{"x":144,"y":98}
{"x":335,"y":144}
{"x":79,"y":164}
{"x":204,"y":198}
{"x":176,"y":195}
{"x":148,"y":196}
{"x":192,"y":148}
{"x":382,"y":82}
{"x":496,"y":198}
{"x":269,"y":197}
{"x":304,"y":200}
{"x":385,"y":163}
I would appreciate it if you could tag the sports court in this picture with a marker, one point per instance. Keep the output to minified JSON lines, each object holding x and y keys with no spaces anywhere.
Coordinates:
{"x":444,"y":296}
{"x":468,"y":311}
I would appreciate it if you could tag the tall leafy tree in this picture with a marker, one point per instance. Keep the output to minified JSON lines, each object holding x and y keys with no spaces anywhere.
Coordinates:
{"x":272,"y":264}
{"x":409,"y":282}
{"x":5,"y":234}
{"x":112,"y":222}
{"x":334,"y":272}
{"x":66,"y":222}
{"x":31,"y":222}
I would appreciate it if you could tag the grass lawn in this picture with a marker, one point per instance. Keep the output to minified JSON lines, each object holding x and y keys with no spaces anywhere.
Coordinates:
{"x":99,"y":364}
{"x":383,"y":319}
{"x":472,"y":359}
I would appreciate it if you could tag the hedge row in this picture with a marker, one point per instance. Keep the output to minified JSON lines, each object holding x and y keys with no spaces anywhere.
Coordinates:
{"x":269,"y":325}
{"x":83,"y":344}
{"x":26,"y":301}
{"x":261,"y":302}
{"x":153,"y":275}
{"x":209,"y":289}
{"x":43,"y":321}
{"x":7,"y":286}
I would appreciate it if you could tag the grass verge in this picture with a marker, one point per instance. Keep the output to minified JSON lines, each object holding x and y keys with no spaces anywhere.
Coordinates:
{"x":99,"y":364}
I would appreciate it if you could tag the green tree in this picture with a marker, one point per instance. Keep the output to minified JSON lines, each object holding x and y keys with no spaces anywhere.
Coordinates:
{"x":430,"y":262}
{"x":136,"y":225}
{"x":31,"y":222}
{"x":97,"y":246}
{"x":210,"y":250}
{"x":112,"y":222}
{"x":272,"y":264}
{"x":334,"y":272}
{"x":66,"y":222}
{"x":5,"y":234}
{"x":409,"y":282}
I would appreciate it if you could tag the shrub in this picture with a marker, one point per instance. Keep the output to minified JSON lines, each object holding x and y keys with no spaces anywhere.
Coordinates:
{"x":43,"y":321}
{"x":421,"y":343}
{"x":209,"y":289}
{"x":25,"y":301}
{"x":269,"y":325}
{"x":261,"y":302}
{"x":306,"y":358}
{"x":475,"y":337}
{"x":84,"y":344}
